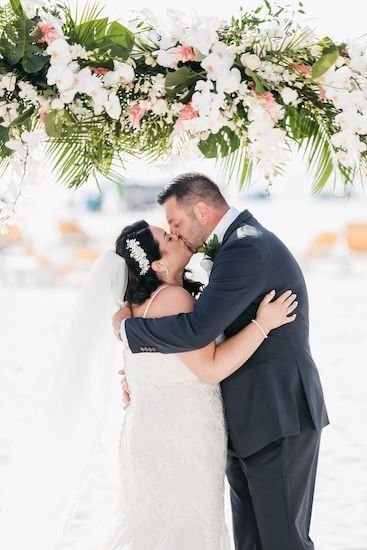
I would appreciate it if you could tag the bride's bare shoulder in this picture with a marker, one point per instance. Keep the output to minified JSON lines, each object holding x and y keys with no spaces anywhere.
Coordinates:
{"x":171,"y":300}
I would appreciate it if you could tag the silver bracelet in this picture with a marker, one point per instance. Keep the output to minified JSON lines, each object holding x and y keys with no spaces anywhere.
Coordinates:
{"x":257,"y":324}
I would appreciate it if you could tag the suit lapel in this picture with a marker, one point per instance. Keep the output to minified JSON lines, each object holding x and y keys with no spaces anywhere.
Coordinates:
{"x":241,"y":218}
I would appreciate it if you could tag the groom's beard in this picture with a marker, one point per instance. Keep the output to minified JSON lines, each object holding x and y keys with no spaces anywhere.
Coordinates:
{"x":193,"y":246}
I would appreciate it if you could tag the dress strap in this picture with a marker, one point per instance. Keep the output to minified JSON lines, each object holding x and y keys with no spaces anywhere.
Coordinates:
{"x":153,"y":297}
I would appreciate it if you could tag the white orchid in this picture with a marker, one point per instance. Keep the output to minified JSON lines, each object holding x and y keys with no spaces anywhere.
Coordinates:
{"x":159,"y":107}
{"x":158,"y":86}
{"x":260,"y":126}
{"x":8,"y":82}
{"x":169,"y":40}
{"x":27,"y":91}
{"x":34,"y":141}
{"x":268,"y":148}
{"x":31,"y":7}
{"x":359,"y":64}
{"x":216,"y":64}
{"x":344,"y":118}
{"x":166,"y":58}
{"x":17,"y":146}
{"x":57,"y":104}
{"x":316,"y":50}
{"x":81,"y":79}
{"x":216,"y":122}
{"x":343,"y":78}
{"x":171,"y":29}
{"x":345,"y":158}
{"x":201,"y":34}
{"x":123,"y":74}
{"x":348,"y":141}
{"x":35,"y":138}
{"x":251,"y":61}
{"x":358,"y":100}
{"x":352,"y":121}
{"x":204,"y":86}
{"x":340,"y":98}
{"x":207,"y":103}
{"x":100,"y":99}
{"x":8,"y":112}
{"x":60,"y":75}
{"x":341,"y":139}
{"x":60,"y":52}
{"x":44,"y":104}
{"x":229,"y":83}
{"x":113,"y":106}
{"x":67,"y":96}
{"x":78,"y":52}
{"x":289,"y":96}
{"x":357,"y":47}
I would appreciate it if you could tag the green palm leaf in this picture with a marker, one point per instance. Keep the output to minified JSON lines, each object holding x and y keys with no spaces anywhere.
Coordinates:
{"x":82,"y":150}
{"x":238,"y":165}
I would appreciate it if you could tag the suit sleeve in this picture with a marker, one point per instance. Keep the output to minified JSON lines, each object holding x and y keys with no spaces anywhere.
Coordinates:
{"x":237,"y":278}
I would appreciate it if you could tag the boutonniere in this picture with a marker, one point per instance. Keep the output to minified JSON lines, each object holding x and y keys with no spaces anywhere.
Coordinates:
{"x":210,"y":249}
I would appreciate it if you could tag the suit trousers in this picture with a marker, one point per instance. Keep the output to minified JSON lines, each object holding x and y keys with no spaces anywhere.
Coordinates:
{"x":272,"y":492}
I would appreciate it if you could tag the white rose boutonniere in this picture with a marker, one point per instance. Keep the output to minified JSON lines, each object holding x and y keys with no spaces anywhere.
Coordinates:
{"x":210,"y":250}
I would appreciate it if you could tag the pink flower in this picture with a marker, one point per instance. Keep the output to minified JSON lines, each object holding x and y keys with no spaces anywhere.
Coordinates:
{"x":269,"y":103}
{"x":135,"y":114}
{"x":303,"y":69}
{"x":187,"y":113}
{"x":49,"y":33}
{"x":99,"y":70}
{"x":183,"y":53}
{"x":43,"y":116}
{"x":268,"y":98}
{"x":322,"y":93}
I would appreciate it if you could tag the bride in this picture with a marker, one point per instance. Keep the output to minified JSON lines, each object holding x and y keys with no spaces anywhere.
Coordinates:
{"x":172,"y":441}
{"x":173,"y":444}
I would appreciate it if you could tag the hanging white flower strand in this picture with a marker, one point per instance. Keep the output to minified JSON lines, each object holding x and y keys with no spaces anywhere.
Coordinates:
{"x":25,"y":174}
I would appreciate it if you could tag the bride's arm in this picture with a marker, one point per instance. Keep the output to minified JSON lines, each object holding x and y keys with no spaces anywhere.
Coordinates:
{"x":214,"y":363}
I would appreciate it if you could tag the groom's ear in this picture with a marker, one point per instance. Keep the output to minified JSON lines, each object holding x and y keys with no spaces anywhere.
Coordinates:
{"x":201,"y":210}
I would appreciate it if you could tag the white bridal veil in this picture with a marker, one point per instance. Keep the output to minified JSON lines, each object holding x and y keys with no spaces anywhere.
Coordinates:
{"x":51,"y":455}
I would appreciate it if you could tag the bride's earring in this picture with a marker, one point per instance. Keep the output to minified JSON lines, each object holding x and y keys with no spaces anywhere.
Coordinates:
{"x":166,"y":271}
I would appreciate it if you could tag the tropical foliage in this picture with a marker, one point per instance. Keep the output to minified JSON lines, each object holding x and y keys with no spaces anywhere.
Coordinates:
{"x":245,"y":92}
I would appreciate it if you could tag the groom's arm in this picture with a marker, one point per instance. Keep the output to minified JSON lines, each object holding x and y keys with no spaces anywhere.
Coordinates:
{"x":237,"y":278}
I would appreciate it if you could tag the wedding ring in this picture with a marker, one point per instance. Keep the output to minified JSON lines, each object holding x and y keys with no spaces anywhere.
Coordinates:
{"x":289,"y":310}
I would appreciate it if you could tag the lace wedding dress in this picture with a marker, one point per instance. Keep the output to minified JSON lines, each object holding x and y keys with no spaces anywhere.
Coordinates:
{"x":172,"y":453}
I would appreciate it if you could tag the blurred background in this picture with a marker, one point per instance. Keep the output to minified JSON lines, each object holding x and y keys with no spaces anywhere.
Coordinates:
{"x":44,"y":262}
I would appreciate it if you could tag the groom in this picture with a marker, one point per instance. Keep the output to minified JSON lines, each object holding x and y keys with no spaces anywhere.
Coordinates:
{"x":274,"y":403}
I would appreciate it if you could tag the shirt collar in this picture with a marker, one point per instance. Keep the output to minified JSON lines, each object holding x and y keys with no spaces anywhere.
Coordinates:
{"x":224,"y":223}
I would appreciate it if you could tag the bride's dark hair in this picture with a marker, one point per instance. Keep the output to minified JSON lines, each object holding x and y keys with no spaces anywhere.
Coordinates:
{"x":140,"y":287}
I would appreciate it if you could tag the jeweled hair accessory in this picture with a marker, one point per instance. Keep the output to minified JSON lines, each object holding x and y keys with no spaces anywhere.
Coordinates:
{"x":138,"y":254}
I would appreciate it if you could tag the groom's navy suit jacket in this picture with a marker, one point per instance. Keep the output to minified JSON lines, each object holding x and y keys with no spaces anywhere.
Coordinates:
{"x":268,"y":397}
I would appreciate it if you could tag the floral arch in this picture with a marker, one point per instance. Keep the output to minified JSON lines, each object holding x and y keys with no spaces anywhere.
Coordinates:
{"x":246,"y":92}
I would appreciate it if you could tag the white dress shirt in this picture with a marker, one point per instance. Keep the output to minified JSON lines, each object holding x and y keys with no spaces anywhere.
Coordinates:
{"x":223,"y":224}
{"x":219,"y":230}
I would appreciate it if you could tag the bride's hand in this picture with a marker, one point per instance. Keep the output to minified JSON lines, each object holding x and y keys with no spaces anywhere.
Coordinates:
{"x":274,"y":314}
{"x":123,"y":313}
{"x":126,"y":398}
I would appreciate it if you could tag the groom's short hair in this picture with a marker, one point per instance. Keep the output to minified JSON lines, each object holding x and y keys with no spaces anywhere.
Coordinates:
{"x":191,"y":187}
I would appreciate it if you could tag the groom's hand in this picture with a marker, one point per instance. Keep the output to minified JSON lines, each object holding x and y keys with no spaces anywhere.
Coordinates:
{"x":123,"y":313}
